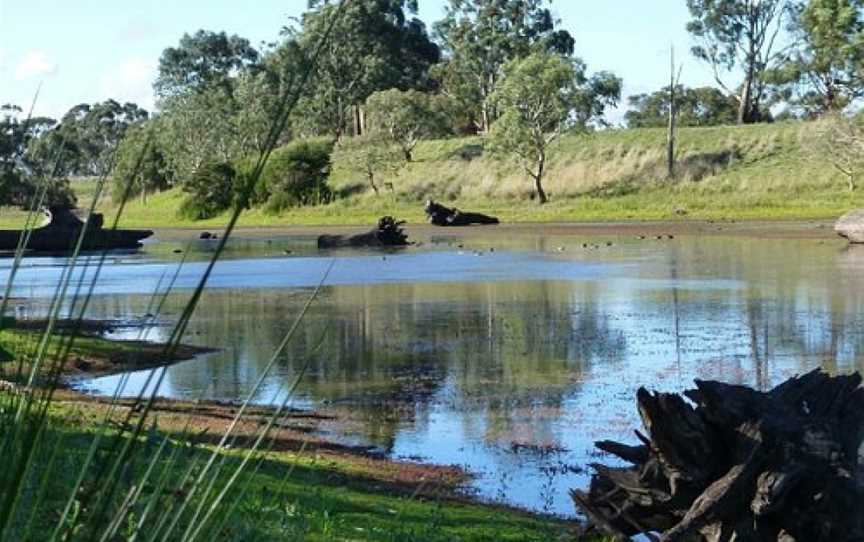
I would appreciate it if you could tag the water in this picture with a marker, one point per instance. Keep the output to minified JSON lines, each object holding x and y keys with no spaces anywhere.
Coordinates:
{"x":509,"y":362}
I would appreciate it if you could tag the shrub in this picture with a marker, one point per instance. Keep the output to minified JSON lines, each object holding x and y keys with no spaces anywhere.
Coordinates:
{"x":296,"y":175}
{"x":211,"y":191}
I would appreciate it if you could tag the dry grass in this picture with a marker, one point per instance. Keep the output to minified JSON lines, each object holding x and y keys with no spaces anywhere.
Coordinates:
{"x":747,"y":172}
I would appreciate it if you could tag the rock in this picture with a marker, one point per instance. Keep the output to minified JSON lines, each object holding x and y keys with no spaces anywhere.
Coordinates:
{"x":851,"y":226}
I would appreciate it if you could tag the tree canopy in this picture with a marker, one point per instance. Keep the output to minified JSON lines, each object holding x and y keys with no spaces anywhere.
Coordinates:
{"x":376,"y":46}
{"x":824,"y":70}
{"x":703,"y":106}
{"x":480,"y":37}
{"x":202,"y":60}
{"x":739,"y":34}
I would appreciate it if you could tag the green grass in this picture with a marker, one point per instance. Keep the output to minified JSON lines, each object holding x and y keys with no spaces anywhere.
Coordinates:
{"x":747,"y":172}
{"x":297,"y":496}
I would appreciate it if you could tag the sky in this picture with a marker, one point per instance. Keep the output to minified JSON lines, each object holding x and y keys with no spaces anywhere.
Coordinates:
{"x":91,"y":50}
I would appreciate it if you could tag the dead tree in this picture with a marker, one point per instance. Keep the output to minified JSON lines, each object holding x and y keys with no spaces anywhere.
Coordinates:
{"x":740,"y":465}
{"x":673,"y":111}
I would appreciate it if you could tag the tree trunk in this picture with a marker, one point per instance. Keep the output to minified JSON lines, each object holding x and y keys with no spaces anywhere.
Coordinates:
{"x":371,"y":176}
{"x":484,"y":120}
{"x":744,"y":112}
{"x":538,"y":180}
{"x":670,"y":135}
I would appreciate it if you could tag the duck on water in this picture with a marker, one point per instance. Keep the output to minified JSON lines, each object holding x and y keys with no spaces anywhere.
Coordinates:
{"x":61,"y":231}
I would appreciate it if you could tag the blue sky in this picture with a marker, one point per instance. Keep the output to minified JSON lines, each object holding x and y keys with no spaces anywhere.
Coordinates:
{"x":91,"y":50}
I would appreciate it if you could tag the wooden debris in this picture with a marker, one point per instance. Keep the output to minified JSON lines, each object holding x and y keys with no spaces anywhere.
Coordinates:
{"x":740,"y":465}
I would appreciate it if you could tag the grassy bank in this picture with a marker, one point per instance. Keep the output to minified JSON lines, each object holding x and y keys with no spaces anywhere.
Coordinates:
{"x":306,"y":495}
{"x":747,"y":172}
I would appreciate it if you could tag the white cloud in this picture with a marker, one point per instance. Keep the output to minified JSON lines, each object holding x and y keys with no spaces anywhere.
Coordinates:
{"x":35,"y":64}
{"x":130,"y":81}
{"x":136,"y":30}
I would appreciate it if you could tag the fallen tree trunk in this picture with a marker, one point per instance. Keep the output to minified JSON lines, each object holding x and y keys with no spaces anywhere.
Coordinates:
{"x":741,"y":465}
{"x":388,"y":233}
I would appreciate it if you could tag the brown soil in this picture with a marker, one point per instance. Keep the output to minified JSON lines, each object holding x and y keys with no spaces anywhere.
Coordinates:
{"x":296,"y":432}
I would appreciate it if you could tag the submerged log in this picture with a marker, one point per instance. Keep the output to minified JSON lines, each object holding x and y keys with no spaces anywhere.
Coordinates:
{"x":388,"y":233}
{"x":445,"y":216}
{"x":63,"y":229}
{"x":740,"y":465}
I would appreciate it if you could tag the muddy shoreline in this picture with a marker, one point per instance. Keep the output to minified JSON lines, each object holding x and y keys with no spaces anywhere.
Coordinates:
{"x":780,"y":229}
{"x":298,"y":432}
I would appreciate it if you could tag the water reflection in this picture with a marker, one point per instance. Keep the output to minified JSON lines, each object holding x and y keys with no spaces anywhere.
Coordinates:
{"x":511,"y":363}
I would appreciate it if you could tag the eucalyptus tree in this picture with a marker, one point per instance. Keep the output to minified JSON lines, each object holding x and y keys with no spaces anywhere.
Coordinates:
{"x":376,"y":45}
{"x":23,"y":172}
{"x":824,"y":71}
{"x":405,"y":117}
{"x":480,"y":37}
{"x":141,"y":167}
{"x":540,"y":97}
{"x":16,"y":170}
{"x":86,"y":138}
{"x":703,"y":106}
{"x":370,"y":154}
{"x":203,"y":60}
{"x":739,"y":34}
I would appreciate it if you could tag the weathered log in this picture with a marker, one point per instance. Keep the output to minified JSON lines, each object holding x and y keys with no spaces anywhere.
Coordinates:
{"x":388,"y":233}
{"x":740,"y":465}
{"x":63,"y":229}
{"x":440,"y":215}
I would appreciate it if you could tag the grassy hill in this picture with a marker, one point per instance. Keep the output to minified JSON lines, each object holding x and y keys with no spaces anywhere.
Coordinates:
{"x":747,"y":172}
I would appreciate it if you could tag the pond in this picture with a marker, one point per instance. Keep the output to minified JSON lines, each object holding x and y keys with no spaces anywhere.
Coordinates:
{"x":508,"y":355}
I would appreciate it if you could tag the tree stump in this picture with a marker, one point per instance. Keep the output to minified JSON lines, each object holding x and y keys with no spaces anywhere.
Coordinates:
{"x":740,"y":465}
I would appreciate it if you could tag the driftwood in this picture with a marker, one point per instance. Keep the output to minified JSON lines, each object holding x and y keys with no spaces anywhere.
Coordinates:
{"x":63,"y":229}
{"x":445,"y":216}
{"x":388,"y":233}
{"x":741,"y":465}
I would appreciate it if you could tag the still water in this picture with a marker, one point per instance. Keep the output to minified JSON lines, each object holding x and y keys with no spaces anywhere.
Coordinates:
{"x":507,"y":356}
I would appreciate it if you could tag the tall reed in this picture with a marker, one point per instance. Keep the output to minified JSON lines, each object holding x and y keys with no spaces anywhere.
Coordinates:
{"x":131,"y":483}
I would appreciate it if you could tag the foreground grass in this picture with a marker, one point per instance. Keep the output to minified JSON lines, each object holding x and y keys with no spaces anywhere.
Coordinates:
{"x":297,"y":496}
{"x":290,"y":494}
{"x":732,"y":172}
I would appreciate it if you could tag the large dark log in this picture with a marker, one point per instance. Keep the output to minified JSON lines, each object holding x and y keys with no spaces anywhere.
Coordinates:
{"x":740,"y":465}
{"x":388,"y":233}
{"x":62,"y":232}
{"x":445,"y":216}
